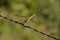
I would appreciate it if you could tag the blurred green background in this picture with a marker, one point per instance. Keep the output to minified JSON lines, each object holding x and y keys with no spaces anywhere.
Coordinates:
{"x":47,"y":19}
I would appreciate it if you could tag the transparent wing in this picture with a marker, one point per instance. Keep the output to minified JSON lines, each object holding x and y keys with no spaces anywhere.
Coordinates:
{"x":21,"y":16}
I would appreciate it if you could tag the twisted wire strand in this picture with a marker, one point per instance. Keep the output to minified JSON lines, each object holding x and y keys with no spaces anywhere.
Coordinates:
{"x":27,"y":26}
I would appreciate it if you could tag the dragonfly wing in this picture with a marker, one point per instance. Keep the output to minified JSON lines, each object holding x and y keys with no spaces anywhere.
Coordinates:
{"x":34,"y":21}
{"x":21,"y":16}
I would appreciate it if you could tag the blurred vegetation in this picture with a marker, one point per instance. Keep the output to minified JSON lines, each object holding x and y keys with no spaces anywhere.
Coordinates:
{"x":47,"y":19}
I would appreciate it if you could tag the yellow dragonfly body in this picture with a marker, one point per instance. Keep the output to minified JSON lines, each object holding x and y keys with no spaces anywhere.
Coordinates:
{"x":29,"y":18}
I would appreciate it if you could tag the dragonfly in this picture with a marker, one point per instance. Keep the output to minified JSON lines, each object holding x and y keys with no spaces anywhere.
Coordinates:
{"x":29,"y":18}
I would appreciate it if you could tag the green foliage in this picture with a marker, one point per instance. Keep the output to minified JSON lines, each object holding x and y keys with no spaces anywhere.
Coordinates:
{"x":47,"y":19}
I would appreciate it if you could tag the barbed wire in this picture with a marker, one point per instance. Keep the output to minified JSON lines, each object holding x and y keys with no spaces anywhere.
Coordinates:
{"x":27,"y":26}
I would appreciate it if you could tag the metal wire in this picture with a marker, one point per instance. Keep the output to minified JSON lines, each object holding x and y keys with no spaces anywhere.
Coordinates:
{"x":27,"y":26}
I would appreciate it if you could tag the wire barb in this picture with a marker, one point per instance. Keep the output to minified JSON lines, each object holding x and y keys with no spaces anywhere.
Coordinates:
{"x":27,"y":26}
